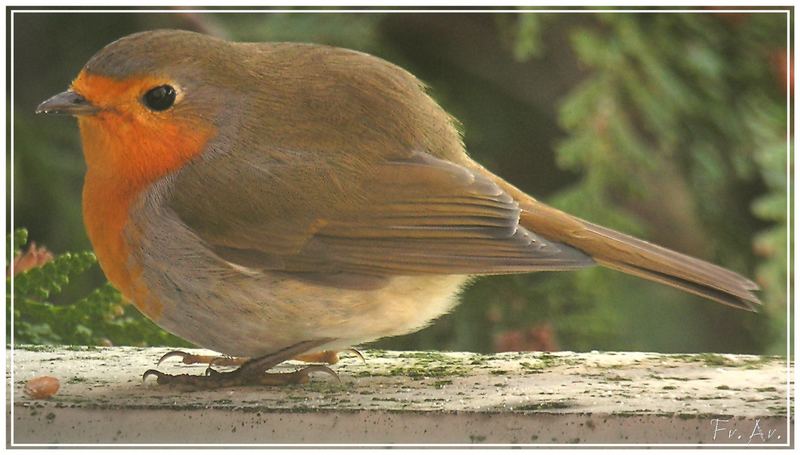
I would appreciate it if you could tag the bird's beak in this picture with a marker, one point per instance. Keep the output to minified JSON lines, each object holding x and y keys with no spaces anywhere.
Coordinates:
{"x":68,"y":103}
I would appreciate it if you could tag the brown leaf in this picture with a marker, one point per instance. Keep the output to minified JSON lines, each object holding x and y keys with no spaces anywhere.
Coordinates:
{"x":536,"y":338}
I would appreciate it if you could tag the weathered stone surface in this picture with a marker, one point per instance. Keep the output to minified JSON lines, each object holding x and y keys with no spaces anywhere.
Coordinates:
{"x":413,"y":398}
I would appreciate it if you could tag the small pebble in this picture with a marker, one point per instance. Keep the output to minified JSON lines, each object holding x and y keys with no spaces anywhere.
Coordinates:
{"x":41,"y":387}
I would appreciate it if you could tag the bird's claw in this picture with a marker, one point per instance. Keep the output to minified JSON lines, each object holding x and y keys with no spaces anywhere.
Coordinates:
{"x":183,"y":355}
{"x":155,"y":373}
{"x":317,"y":368}
{"x":357,"y":353}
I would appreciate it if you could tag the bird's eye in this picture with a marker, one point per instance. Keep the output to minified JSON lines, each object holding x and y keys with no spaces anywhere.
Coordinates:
{"x":160,"y":98}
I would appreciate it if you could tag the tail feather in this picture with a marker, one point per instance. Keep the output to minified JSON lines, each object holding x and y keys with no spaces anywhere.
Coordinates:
{"x":634,"y":256}
{"x":748,"y":303}
{"x":684,"y":272}
{"x":643,"y":259}
{"x":680,"y":264}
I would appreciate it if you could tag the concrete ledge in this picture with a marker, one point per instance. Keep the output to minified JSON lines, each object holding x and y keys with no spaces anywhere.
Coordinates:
{"x":413,"y":398}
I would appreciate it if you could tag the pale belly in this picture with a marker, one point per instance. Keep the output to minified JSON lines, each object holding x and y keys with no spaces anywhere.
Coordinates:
{"x":243,"y":312}
{"x":257,"y":317}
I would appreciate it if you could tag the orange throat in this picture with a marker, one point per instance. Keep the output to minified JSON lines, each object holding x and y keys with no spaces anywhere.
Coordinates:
{"x":127,"y":149}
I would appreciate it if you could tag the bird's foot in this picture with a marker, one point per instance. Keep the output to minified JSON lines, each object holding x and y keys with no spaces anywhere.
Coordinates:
{"x":327,"y":357}
{"x":214,"y":379}
{"x":251,"y":372}
{"x":194,"y":359}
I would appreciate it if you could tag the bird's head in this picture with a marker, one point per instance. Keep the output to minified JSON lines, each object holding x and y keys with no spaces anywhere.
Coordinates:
{"x":149,"y":102}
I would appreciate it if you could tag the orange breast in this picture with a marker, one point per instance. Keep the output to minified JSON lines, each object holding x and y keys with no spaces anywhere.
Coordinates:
{"x":127,"y":148}
{"x":105,"y":213}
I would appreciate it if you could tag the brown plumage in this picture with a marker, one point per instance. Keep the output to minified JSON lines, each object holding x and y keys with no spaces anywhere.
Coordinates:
{"x":312,"y":193}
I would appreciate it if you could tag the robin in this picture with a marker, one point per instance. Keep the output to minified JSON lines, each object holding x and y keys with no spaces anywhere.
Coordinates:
{"x":273,"y":200}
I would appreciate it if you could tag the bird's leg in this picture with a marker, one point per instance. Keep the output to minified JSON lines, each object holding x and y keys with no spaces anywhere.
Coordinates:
{"x":328,"y":357}
{"x":251,"y":372}
{"x":194,"y":359}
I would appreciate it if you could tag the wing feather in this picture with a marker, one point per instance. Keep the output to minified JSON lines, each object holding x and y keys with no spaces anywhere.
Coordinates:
{"x":416,"y":215}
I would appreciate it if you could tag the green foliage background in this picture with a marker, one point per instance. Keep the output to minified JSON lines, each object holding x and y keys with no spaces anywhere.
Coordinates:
{"x":668,"y":126}
{"x":96,"y":319}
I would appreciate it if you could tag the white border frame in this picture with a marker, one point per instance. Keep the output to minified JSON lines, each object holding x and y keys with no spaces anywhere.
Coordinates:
{"x":407,"y":4}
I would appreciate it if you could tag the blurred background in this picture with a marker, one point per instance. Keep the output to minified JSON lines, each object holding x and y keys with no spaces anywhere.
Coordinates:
{"x":668,"y":126}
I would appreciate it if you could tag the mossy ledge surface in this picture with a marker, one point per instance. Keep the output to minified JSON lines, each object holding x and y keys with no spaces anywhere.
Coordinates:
{"x":506,"y":398}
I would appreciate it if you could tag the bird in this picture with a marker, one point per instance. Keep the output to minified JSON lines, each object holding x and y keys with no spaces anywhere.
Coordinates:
{"x":278,"y":200}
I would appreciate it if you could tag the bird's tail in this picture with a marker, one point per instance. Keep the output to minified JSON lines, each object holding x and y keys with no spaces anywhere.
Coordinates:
{"x":643,"y":259}
{"x":637,"y":257}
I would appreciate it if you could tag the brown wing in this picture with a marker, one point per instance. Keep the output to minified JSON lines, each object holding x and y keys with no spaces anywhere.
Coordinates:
{"x":410,"y":216}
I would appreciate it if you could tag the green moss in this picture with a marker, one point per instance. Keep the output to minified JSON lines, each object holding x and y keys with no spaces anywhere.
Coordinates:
{"x":78,"y":348}
{"x":717,"y":360}
{"x":38,"y":348}
{"x":425,"y":356}
{"x":532,"y":368}
{"x":546,"y":361}
{"x":375,"y":353}
{"x":363,"y":374}
{"x":438,"y":371}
